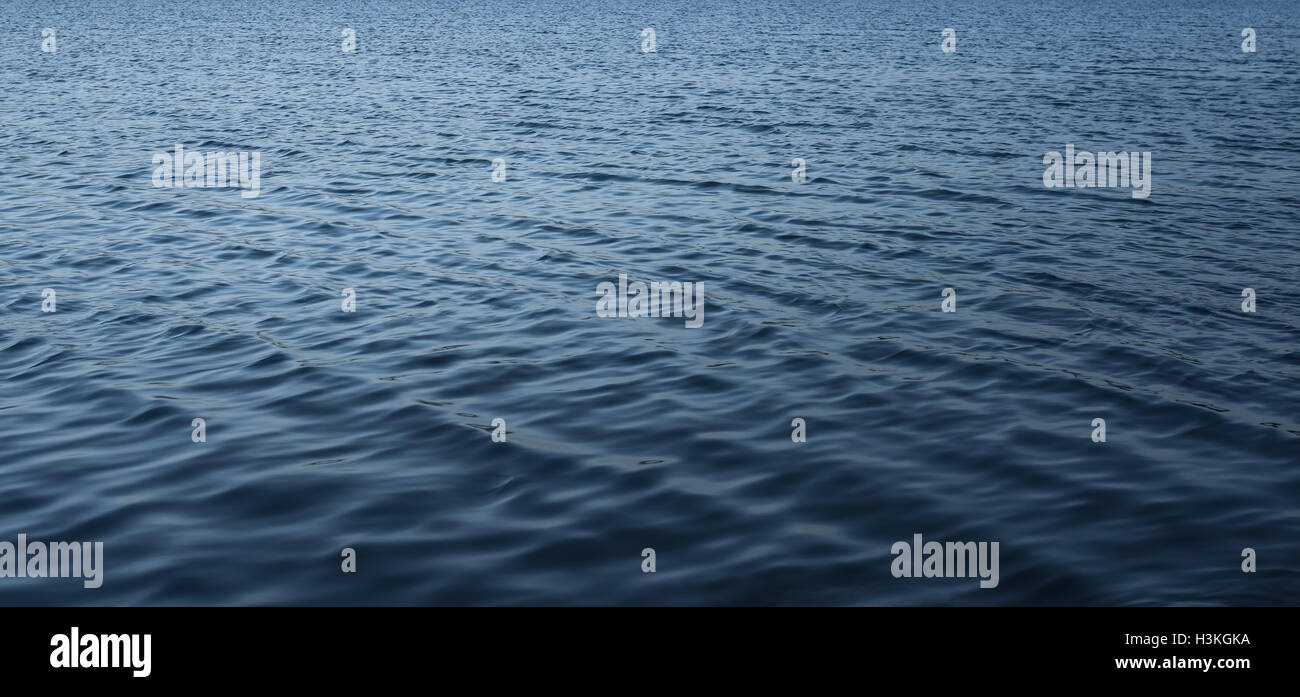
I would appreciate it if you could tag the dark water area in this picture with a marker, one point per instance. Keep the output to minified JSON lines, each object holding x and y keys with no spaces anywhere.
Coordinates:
{"x":476,"y":300}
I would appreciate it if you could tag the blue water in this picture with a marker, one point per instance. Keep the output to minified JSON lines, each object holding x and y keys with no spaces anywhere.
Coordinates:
{"x":476,"y":301}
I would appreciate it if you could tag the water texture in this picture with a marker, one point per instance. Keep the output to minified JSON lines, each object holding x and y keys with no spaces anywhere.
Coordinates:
{"x":476,"y":300}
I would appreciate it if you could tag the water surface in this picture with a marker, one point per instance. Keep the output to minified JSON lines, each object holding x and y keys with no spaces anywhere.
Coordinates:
{"x":476,"y":301}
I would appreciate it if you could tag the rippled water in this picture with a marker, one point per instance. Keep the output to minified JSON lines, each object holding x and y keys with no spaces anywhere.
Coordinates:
{"x":476,"y":300}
